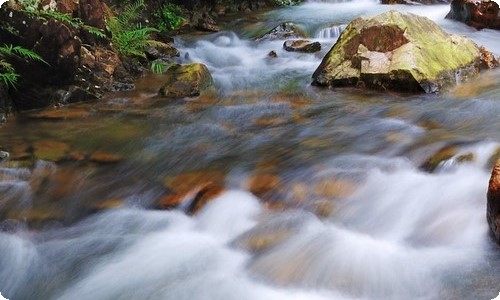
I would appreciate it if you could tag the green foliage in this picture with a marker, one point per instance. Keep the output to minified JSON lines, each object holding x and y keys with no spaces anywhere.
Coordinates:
{"x":64,"y":18}
{"x":8,"y":75}
{"x":169,"y":17}
{"x":159,"y":66}
{"x":128,"y":37}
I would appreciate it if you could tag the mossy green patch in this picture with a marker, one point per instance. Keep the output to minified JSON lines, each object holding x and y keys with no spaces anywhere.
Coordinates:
{"x":396,"y":49}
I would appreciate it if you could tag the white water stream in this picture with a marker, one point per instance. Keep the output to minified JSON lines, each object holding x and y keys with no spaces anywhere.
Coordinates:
{"x":403,"y":234}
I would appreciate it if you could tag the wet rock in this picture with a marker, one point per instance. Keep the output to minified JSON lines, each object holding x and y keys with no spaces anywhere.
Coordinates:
{"x":37,"y":217}
{"x":187,"y":81}
{"x":66,"y":113}
{"x":103,"y":157}
{"x":334,"y":188}
{"x":398,"y":51}
{"x":50,"y":150}
{"x":478,"y":14}
{"x":287,"y":30}
{"x":302,"y":46}
{"x":193,"y":189}
{"x":449,"y":153}
{"x":4,"y":155}
{"x":493,"y":158}
{"x":193,"y":200}
{"x":323,"y":208}
{"x":108,"y":204}
{"x":272,"y":54}
{"x":493,"y":206}
{"x":260,"y":184}
{"x":272,"y":231}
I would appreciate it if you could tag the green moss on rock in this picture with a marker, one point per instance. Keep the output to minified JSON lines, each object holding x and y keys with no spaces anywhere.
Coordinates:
{"x":187,"y":81}
{"x":398,"y":51}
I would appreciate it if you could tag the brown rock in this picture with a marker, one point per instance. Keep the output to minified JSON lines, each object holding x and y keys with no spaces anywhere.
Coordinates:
{"x":60,"y":114}
{"x":196,"y":189}
{"x":446,"y":153}
{"x":478,"y":14}
{"x":50,"y":150}
{"x":302,"y":46}
{"x":333,"y":188}
{"x":92,"y":13}
{"x":401,"y":52}
{"x":185,"y":182}
{"x":66,"y":6}
{"x":493,"y":206}
{"x":187,"y":81}
{"x":103,"y":157}
{"x":260,"y":184}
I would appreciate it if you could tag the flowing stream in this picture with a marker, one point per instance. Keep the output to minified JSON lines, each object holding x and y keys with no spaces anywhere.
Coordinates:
{"x":345,"y":210}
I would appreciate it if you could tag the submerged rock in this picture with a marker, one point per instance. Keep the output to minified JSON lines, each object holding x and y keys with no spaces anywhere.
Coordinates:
{"x":399,"y":51}
{"x":302,"y":46}
{"x":287,"y":30}
{"x":478,"y":14}
{"x":187,"y":81}
{"x":493,"y":207}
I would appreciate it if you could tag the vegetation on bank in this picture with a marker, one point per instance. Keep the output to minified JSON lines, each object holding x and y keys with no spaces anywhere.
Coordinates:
{"x":8,"y":75}
{"x":129,"y":28}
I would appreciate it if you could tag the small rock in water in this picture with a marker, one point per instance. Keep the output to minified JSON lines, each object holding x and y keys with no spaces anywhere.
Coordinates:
{"x":103,"y":157}
{"x":302,"y":46}
{"x":50,"y":150}
{"x":187,"y":81}
{"x":4,"y":155}
{"x":285,"y":30}
{"x":272,"y":54}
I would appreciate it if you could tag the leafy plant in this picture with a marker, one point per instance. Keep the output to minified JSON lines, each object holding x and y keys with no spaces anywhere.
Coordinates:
{"x":67,"y":19}
{"x":159,"y":66}
{"x":129,"y":38}
{"x":169,"y":17}
{"x":8,"y":75}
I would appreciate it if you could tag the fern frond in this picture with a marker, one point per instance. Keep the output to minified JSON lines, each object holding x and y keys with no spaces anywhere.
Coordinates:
{"x":159,"y":67}
{"x":5,"y":66}
{"x":9,"y":79}
{"x":95,"y":31}
{"x":6,"y":50}
{"x":23,"y":52}
{"x":130,"y":13}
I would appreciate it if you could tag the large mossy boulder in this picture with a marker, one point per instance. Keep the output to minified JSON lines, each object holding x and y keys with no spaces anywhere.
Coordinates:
{"x":186,"y":81}
{"x":493,"y":206}
{"x":400,"y":51}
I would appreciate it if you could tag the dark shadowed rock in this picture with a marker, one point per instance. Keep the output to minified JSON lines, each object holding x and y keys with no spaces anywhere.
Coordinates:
{"x":399,"y":51}
{"x":186,"y":81}
{"x":493,"y":207}
{"x":302,"y":46}
{"x":478,"y":14}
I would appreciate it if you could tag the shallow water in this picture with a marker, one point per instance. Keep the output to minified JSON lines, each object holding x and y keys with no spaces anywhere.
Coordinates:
{"x":352,"y":215}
